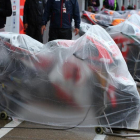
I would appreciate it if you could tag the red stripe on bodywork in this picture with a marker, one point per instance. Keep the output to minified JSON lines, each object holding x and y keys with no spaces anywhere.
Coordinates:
{"x":93,"y":22}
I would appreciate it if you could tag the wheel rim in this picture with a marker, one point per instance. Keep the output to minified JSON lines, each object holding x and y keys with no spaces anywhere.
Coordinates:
{"x":99,"y":130}
{"x":3,"y":115}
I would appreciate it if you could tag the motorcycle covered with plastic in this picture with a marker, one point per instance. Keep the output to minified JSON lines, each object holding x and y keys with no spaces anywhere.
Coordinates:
{"x":97,"y":19}
{"x":107,"y":17}
{"x":81,"y":83}
{"x":127,"y":37}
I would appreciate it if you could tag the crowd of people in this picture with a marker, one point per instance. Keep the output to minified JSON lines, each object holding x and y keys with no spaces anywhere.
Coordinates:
{"x":37,"y":14}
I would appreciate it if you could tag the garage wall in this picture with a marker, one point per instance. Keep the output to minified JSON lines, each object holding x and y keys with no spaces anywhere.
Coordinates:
{"x":8,"y":26}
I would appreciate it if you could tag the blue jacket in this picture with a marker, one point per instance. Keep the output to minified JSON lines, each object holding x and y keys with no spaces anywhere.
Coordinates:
{"x":58,"y":19}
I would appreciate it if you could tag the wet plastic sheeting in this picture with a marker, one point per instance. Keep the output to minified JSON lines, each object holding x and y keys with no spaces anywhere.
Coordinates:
{"x":112,"y":13}
{"x":108,"y":17}
{"x":82,"y":83}
{"x":101,"y":19}
{"x":116,"y":14}
{"x":127,"y":36}
{"x":84,"y":27}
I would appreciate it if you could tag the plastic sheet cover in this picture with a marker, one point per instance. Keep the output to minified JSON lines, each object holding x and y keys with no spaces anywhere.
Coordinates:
{"x":116,"y":14}
{"x":100,"y":19}
{"x":108,"y":17}
{"x":127,"y":36}
{"x":110,"y":13}
{"x":84,"y":27}
{"x":81,"y":83}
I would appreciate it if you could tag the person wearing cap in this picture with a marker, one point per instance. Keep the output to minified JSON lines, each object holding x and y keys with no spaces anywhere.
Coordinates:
{"x":60,"y":13}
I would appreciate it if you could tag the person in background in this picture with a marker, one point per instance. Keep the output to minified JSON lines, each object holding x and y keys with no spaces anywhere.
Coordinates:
{"x":95,"y":4}
{"x":111,"y":4}
{"x":5,"y":11}
{"x":130,"y":7}
{"x":32,"y":18}
{"x":90,"y":9}
{"x":60,"y":13}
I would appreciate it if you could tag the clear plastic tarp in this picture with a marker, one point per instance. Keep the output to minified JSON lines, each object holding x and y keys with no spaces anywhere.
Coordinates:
{"x":110,"y":13}
{"x":127,"y":37}
{"x":81,"y":83}
{"x":101,"y":19}
{"x":84,"y":27}
{"x":108,"y":17}
{"x":116,"y":14}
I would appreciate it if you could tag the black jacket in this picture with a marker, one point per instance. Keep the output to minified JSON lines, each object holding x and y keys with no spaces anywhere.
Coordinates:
{"x":5,"y":11}
{"x":33,"y":11}
{"x":59,"y":19}
{"x":107,"y":6}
